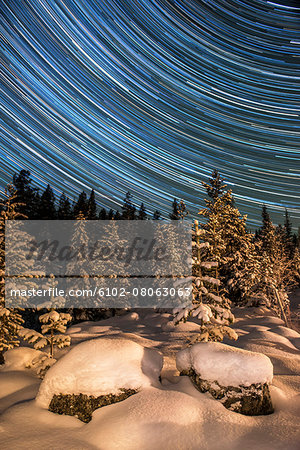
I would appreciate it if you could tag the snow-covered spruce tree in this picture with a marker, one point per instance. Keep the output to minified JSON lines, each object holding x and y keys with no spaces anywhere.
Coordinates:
{"x":210,"y":302}
{"x":231,"y":244}
{"x":182,"y":211}
{"x":295,"y":267}
{"x":275,"y":273}
{"x":246,"y":273}
{"x":54,"y":325}
{"x":166,"y":235}
{"x":108,"y":268}
{"x":79,"y":270}
{"x":179,"y":210}
{"x":215,"y":186}
{"x":10,"y":319}
{"x":240,"y":260}
{"x":78,"y":265}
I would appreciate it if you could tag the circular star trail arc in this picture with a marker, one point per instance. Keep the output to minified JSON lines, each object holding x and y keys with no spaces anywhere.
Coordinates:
{"x":151,"y":96}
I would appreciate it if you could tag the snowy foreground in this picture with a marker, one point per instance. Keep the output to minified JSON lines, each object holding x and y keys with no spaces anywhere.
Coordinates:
{"x":171,"y":415}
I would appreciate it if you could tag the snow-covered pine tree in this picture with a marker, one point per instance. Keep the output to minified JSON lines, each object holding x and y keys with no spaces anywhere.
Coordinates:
{"x":275,"y":273}
{"x":78,"y":265}
{"x":79,"y":269}
{"x":210,"y":303}
{"x":231,"y":244}
{"x":215,"y":186}
{"x":295,"y":267}
{"x":10,"y":319}
{"x":246,"y":272}
{"x":166,"y":236}
{"x":54,"y":325}
{"x":116,"y":242}
{"x":182,"y":211}
{"x":240,"y":259}
{"x":113,"y":241}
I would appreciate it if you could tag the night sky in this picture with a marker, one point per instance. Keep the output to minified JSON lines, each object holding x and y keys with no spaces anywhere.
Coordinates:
{"x":151,"y":96}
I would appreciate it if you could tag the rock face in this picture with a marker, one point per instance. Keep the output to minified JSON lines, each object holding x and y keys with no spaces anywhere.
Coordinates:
{"x":82,"y":406}
{"x":238,"y":378}
{"x":253,"y":400}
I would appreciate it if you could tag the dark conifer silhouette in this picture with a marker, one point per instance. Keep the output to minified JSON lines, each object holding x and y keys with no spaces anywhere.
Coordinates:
{"x":156,"y":215}
{"x":128,"y":209}
{"x":142,"y":215}
{"x":64,"y":211}
{"x":92,"y":207}
{"x":174,"y":215}
{"x":110,"y":215}
{"x":26,"y":196}
{"x":102,"y":214}
{"x":47,"y":210}
{"x":81,"y":206}
{"x":117,"y":216}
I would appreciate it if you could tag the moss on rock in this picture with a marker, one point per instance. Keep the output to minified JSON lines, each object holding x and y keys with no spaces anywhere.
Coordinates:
{"x":82,"y":406}
{"x":253,"y":400}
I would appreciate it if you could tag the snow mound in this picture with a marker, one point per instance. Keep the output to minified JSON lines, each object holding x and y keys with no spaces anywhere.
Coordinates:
{"x":20,"y":358}
{"x":151,"y":419}
{"x":287,"y":332}
{"x":101,"y":366}
{"x":227,"y":365}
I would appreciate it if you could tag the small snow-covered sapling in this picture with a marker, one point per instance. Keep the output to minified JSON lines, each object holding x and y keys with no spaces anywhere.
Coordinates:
{"x":54,"y":325}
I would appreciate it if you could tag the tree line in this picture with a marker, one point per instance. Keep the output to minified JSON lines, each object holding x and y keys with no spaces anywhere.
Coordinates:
{"x":43,"y":205}
{"x":231,"y":264}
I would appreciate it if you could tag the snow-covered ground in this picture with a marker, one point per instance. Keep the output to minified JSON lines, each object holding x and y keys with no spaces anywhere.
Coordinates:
{"x":173,"y":415}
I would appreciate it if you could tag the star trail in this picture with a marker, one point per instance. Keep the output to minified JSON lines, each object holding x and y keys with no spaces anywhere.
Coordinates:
{"x":151,"y":96}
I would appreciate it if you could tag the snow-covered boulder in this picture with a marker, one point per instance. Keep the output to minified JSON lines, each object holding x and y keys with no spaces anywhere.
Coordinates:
{"x":238,"y":378}
{"x":96,"y":373}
